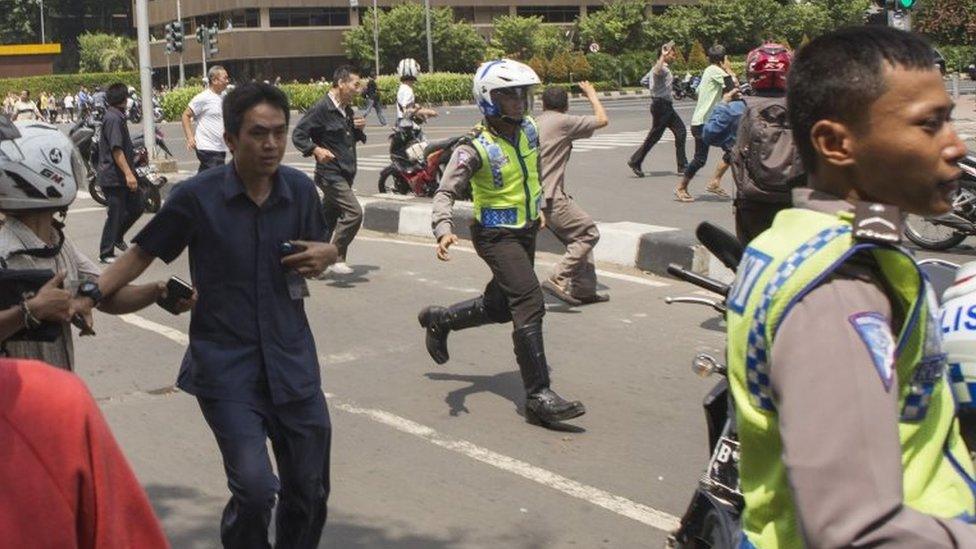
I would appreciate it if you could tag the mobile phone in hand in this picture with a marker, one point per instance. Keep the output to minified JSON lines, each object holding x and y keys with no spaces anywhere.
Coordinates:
{"x":176,"y":289}
{"x":289,"y":248}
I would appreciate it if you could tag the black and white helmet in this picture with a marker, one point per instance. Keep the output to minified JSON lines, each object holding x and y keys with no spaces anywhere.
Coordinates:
{"x":38,"y":170}
{"x":408,"y":68}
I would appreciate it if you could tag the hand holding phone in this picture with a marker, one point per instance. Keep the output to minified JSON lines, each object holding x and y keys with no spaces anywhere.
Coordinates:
{"x":177,"y":291}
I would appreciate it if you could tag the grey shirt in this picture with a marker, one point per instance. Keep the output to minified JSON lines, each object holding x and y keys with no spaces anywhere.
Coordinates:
{"x":456,"y":180}
{"x":843,"y":462}
{"x":14,"y":236}
{"x":661,"y":83}
{"x":557,"y":131}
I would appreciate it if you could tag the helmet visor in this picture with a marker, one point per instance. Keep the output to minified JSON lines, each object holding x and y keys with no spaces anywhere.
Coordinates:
{"x":512,"y":102}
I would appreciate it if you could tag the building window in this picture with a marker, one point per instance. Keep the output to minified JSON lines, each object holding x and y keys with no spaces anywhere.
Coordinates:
{"x":487,"y":14}
{"x":309,"y":17}
{"x":594,"y":9}
{"x":551,"y":14}
{"x":240,"y":19}
{"x":464,"y":13}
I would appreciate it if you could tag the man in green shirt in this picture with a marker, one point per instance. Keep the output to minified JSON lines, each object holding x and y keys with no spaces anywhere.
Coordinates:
{"x":718,"y":79}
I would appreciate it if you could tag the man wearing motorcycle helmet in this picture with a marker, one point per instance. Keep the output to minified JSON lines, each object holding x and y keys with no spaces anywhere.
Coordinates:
{"x":409,"y":113}
{"x":39,"y":175}
{"x":847,"y":427}
{"x":500,"y":165}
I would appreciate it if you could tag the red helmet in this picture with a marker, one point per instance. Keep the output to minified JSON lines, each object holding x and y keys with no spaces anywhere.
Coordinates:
{"x":767,"y":65}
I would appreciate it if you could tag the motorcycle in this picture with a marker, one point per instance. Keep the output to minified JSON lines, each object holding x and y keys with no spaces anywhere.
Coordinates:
{"x":686,"y":87}
{"x":415,"y":166}
{"x":712,"y":516}
{"x":135,"y":110}
{"x":85,"y":133}
{"x":949,"y":230}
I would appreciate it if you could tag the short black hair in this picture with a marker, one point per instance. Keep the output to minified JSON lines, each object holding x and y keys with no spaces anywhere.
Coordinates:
{"x":555,"y":98}
{"x":343,"y":72}
{"x":839,"y":75}
{"x":244,"y":97}
{"x":116,"y":94}
{"x":716,"y":53}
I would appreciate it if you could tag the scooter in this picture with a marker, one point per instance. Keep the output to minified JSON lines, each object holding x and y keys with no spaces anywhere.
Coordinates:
{"x":949,"y":230}
{"x":686,"y":87}
{"x":415,"y":166}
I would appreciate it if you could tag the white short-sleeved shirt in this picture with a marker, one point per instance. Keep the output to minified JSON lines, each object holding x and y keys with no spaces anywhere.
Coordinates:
{"x":207,"y":108}
{"x":69,"y":102}
{"x":405,"y":99}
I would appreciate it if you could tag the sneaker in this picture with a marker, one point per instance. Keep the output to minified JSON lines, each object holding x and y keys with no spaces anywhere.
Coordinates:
{"x":121,"y":246}
{"x":106,"y":259}
{"x":595,"y":298}
{"x":551,"y":287}
{"x":636,"y":169}
{"x":340,"y":268}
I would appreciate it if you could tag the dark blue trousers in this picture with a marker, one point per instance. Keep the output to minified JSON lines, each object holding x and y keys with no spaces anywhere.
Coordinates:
{"x":301,"y":435}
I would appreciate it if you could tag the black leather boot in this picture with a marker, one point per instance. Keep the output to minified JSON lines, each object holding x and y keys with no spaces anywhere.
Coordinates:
{"x":542,"y":404}
{"x":439,"y":321}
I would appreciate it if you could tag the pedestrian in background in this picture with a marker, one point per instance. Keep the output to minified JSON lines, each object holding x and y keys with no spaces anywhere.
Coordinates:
{"x":116,"y":174}
{"x":206,"y":109}
{"x":663,"y":116}
{"x":371,"y":95}
{"x":251,"y":362}
{"x":717,"y":80}
{"x":573,"y":279}
{"x":25,"y":109}
{"x":329,"y":132}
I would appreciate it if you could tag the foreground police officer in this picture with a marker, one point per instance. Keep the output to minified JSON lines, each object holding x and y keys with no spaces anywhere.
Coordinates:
{"x":847,"y":424}
{"x":501,"y":166}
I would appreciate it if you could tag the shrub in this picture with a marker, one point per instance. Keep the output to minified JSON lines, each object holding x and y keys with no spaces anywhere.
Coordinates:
{"x":957,"y":58}
{"x":64,"y":83}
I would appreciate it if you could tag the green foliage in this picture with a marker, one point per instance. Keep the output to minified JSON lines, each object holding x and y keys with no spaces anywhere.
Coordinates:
{"x":101,"y":52}
{"x":64,"y":83}
{"x":618,"y":27}
{"x":799,"y":21}
{"x":174,"y":102}
{"x":402,"y":33}
{"x":605,"y":67}
{"x":18,"y":22}
{"x":515,"y":35}
{"x":958,"y":57}
{"x":843,"y":13}
{"x":947,"y":21}
{"x":697,"y":56}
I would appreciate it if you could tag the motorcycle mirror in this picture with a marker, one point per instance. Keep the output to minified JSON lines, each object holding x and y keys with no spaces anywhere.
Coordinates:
{"x":7,"y":129}
{"x":723,"y":244}
{"x":704,"y":365}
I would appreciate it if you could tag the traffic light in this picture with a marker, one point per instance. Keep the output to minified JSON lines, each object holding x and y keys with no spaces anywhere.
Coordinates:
{"x":177,"y":27}
{"x":905,"y":4}
{"x":212,"y":40}
{"x":202,"y":34}
{"x":169,"y":38}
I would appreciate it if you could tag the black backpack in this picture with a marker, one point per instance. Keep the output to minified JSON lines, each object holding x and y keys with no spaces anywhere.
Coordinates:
{"x":765,"y":162}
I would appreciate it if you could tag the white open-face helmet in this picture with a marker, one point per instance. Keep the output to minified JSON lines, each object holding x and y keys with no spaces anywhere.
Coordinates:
{"x":38,"y":170}
{"x":408,"y":68}
{"x":501,"y":74}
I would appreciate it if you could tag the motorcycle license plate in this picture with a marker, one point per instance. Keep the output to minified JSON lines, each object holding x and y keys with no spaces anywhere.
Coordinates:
{"x":724,"y":466}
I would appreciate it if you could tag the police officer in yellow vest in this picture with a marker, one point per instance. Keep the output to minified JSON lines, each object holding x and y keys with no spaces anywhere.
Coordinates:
{"x":500,"y":164}
{"x":846,"y":420}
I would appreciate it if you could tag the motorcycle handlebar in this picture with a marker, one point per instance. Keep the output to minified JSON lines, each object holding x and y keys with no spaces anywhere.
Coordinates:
{"x":709,"y":284}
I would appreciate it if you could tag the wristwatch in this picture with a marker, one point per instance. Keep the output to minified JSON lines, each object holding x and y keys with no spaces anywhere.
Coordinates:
{"x":90,"y":290}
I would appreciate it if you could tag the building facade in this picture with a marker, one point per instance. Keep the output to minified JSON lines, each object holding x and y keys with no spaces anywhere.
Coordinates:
{"x":302,"y":39}
{"x":28,"y":59}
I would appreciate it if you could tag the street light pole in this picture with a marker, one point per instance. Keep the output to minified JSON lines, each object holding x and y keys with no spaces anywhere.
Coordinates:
{"x":145,"y":76}
{"x":179,"y":17}
{"x":376,"y":40}
{"x":43,"y":41}
{"x":430,"y":47}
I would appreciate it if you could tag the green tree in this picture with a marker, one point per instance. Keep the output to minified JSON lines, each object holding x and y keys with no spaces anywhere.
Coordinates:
{"x":843,"y":13}
{"x":100,"y":52}
{"x":678,"y":23}
{"x":516,"y":36}
{"x":617,"y":28}
{"x":457,"y":46}
{"x":947,"y":21}
{"x":739,"y":25}
{"x":550,"y":40}
{"x":802,"y":19}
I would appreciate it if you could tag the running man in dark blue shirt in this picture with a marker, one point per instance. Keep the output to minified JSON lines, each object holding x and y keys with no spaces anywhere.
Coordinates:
{"x":251,"y":362}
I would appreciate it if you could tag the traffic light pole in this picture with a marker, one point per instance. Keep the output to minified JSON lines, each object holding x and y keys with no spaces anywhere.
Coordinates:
{"x":179,"y":17}
{"x":204,"y":44}
{"x":145,"y":76}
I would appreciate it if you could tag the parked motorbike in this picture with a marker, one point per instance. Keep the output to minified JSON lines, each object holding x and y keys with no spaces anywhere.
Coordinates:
{"x":712,"y":517}
{"x":686,"y":87}
{"x":85,"y":133}
{"x":134,"y":113}
{"x":949,"y":230}
{"x":415,"y":166}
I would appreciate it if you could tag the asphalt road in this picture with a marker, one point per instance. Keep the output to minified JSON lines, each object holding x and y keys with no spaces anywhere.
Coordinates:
{"x":428,"y":456}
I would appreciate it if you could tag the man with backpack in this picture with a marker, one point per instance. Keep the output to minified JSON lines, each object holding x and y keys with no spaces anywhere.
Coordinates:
{"x":756,"y":135}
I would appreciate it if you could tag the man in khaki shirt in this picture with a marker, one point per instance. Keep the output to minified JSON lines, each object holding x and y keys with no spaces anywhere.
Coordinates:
{"x":573,"y":279}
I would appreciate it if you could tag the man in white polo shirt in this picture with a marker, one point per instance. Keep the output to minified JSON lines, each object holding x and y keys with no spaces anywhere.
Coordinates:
{"x":206,"y":108}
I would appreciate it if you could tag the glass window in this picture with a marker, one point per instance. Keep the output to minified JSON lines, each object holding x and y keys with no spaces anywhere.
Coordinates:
{"x":464,"y":13}
{"x":240,"y":19}
{"x":551,"y":14}
{"x":309,"y":17}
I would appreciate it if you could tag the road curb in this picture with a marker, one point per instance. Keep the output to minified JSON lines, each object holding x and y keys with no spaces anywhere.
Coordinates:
{"x":626,"y":244}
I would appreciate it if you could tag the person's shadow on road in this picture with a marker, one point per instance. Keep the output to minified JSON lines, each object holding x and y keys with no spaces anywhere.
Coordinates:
{"x":357,"y":277}
{"x":505,"y":384}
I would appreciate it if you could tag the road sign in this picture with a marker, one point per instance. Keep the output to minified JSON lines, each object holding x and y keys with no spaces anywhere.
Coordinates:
{"x":594,"y":47}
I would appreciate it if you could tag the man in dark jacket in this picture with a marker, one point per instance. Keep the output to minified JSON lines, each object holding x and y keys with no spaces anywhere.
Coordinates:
{"x":329,"y":132}
{"x":116,"y":174}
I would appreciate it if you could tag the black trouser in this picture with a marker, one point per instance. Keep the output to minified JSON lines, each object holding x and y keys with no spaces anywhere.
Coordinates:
{"x":753,"y":217}
{"x":210,"y":159}
{"x":663,"y":117}
{"x":513,"y":292}
{"x":701,"y":153}
{"x":124,"y":209}
{"x":301,"y":437}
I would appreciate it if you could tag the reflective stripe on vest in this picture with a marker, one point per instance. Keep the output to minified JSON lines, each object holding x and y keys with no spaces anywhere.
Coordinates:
{"x":507,"y":190}
{"x":781,"y":266}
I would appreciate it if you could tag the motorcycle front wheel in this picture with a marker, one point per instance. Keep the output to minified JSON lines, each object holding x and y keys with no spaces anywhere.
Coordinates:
{"x":96,"y":192}
{"x":931,"y":236}
{"x":397,"y":185}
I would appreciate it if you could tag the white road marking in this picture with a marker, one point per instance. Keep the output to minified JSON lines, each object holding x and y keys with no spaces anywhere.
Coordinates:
{"x":600,"y":272}
{"x":87,"y":210}
{"x":595,"y":496}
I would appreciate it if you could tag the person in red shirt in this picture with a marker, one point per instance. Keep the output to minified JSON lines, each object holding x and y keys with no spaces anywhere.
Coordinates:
{"x":65,"y":481}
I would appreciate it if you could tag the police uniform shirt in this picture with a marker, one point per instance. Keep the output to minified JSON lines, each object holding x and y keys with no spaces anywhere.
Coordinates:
{"x":455,"y":181}
{"x":838,"y":418}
